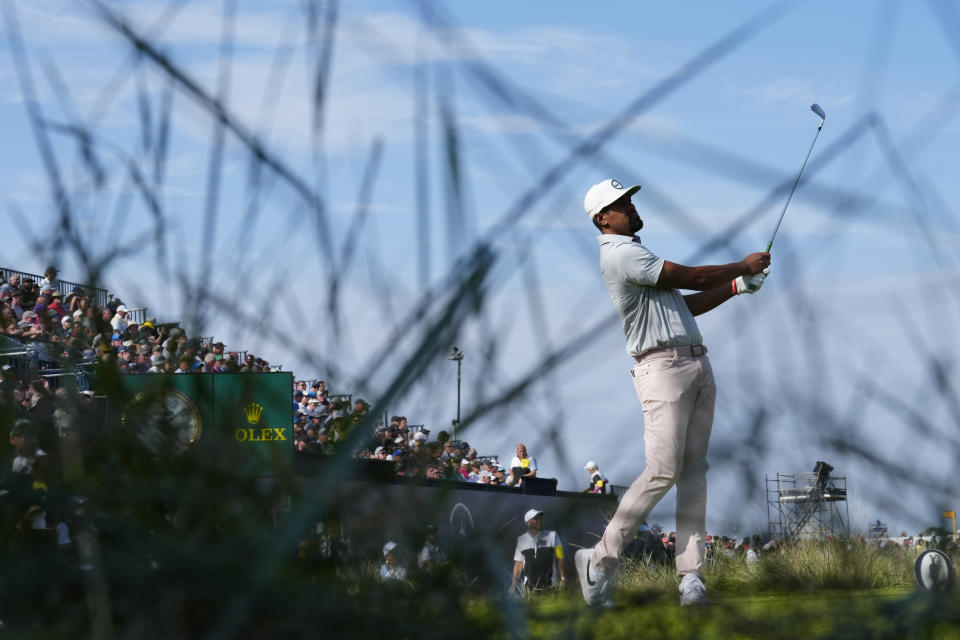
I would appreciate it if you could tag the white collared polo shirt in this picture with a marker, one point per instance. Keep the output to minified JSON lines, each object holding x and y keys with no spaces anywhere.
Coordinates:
{"x":653,"y":317}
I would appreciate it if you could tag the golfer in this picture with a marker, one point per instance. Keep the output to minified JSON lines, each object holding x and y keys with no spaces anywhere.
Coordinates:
{"x":672,"y":377}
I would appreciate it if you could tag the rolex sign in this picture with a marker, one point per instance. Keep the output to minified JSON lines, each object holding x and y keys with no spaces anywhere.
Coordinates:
{"x":239,"y":422}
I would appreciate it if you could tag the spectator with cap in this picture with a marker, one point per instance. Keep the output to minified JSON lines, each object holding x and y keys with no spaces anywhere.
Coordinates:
{"x":431,"y":557}
{"x":391,"y":569}
{"x":598,"y":483}
{"x":142,"y":362}
{"x":538,"y":558}
{"x":56,"y":305}
{"x":30,"y":292}
{"x":158,"y":363}
{"x":16,"y":303}
{"x":313,"y":408}
{"x":119,"y":320}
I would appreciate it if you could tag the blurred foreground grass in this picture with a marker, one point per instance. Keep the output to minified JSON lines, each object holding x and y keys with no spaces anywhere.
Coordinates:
{"x":887,"y":613}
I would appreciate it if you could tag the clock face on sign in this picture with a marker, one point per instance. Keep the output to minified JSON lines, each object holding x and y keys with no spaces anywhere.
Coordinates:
{"x":934,"y":571}
{"x":165,"y":422}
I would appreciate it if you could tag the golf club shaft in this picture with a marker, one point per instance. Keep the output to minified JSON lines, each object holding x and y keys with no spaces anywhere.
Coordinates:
{"x":795,"y":183}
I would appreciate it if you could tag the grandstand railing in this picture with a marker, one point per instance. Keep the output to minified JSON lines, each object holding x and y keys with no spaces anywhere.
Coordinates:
{"x":101,"y":296}
{"x":138,"y":315}
{"x":26,"y":360}
{"x":340,"y":397}
{"x":56,"y":377}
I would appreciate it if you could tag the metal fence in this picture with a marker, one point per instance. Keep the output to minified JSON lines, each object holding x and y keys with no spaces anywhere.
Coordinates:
{"x":138,"y":315}
{"x":618,"y":490}
{"x":28,"y":363}
{"x":99,"y":296}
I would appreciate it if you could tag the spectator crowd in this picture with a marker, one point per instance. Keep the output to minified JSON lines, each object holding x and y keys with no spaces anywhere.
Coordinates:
{"x":322,"y":423}
{"x":72,"y":328}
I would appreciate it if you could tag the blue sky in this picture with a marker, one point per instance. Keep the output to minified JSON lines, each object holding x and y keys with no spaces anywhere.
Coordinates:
{"x":836,"y":347}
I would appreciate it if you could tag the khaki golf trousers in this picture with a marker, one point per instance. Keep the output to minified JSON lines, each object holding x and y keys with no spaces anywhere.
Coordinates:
{"x":678,"y":395}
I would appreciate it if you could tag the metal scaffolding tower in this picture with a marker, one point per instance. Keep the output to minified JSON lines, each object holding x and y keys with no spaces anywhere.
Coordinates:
{"x":807,"y":505}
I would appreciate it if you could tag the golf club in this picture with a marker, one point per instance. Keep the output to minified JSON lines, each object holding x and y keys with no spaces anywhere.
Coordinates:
{"x":817,"y":110}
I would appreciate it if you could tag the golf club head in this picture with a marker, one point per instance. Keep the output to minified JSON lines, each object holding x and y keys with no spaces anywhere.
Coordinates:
{"x":817,"y":110}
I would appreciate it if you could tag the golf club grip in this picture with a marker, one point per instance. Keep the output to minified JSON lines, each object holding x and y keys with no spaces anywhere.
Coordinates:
{"x":769,"y":244}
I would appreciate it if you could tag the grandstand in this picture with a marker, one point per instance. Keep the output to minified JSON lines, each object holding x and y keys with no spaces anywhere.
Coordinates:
{"x":68,"y":344}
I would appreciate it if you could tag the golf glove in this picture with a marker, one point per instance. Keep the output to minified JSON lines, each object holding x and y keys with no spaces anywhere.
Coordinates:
{"x":750,"y":284}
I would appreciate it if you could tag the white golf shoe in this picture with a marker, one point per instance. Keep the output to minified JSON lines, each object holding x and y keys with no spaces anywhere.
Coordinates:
{"x":692,"y":590}
{"x":594,"y":584}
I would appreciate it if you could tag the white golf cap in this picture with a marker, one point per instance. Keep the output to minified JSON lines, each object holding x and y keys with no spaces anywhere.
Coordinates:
{"x":590,"y":465}
{"x":531,"y":514}
{"x":390,"y":546}
{"x":124,"y":308}
{"x":605,"y":193}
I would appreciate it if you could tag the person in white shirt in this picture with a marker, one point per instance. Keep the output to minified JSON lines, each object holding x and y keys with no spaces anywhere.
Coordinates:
{"x":391,"y":569}
{"x":538,"y":558}
{"x":521,"y":465}
{"x":119,"y":321}
{"x":673,"y":379}
{"x":431,"y":557}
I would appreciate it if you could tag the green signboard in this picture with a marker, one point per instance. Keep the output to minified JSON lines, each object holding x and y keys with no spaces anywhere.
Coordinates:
{"x":238,"y":423}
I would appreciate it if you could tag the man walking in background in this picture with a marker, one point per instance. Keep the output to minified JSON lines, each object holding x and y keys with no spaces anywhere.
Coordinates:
{"x":672,"y":377}
{"x":539,"y":552}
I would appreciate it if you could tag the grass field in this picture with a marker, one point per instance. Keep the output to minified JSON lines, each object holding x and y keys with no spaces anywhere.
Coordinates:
{"x":809,"y":590}
{"x":882,"y":613}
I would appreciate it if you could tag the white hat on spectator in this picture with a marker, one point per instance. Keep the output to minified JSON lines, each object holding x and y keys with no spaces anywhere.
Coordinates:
{"x":590,"y":465}
{"x":390,"y":546}
{"x":310,"y":401}
{"x":419,"y":435}
{"x":378,"y":450}
{"x":389,"y":457}
{"x":122,"y":308}
{"x":464,"y":462}
{"x":531,"y":514}
{"x":78,"y":313}
{"x":66,"y":319}
{"x":399,"y":440}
